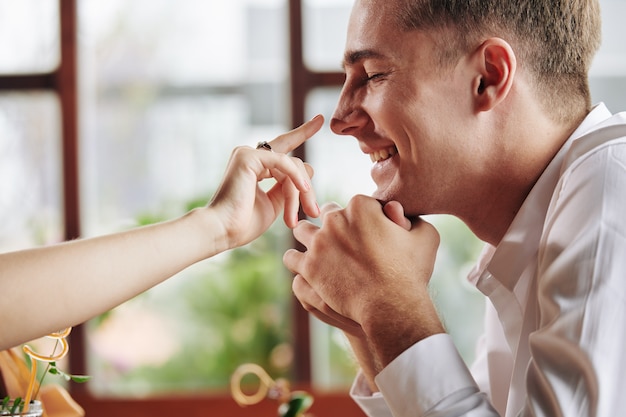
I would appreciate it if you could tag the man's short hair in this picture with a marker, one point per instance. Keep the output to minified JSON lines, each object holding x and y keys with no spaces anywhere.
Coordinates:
{"x":554,"y":40}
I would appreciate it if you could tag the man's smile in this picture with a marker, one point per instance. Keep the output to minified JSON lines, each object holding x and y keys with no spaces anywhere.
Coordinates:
{"x":382,"y":154}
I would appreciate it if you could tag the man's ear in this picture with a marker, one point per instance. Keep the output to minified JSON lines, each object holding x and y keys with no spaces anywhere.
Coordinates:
{"x":495,"y":65}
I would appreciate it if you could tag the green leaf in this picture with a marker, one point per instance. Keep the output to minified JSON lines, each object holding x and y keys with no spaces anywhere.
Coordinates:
{"x":5,"y":403}
{"x":17,"y":405}
{"x":80,"y":378}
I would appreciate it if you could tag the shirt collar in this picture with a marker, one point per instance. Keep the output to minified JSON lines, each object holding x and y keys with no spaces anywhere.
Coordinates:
{"x":507,"y":261}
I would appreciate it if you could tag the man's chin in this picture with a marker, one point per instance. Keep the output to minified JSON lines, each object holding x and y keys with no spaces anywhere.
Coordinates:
{"x":383,"y":195}
{"x":380,"y":197}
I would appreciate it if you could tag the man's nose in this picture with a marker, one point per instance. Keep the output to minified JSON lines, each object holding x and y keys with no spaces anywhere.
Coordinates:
{"x":348,"y":116}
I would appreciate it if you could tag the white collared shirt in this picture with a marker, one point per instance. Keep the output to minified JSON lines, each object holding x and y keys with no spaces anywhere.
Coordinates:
{"x":555,"y":323}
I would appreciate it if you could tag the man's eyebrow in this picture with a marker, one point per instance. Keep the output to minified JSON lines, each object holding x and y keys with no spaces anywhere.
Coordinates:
{"x":353,"y":57}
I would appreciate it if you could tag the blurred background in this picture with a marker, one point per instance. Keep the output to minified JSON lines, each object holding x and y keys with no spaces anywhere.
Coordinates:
{"x":119,"y":113}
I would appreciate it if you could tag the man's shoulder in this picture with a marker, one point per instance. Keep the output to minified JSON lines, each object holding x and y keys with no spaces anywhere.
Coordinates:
{"x":609,"y":133}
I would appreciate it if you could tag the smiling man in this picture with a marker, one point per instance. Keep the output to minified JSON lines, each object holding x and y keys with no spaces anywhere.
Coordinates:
{"x":479,"y":109}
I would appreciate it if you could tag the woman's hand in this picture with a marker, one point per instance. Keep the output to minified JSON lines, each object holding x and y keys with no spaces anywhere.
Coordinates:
{"x":244,"y":209}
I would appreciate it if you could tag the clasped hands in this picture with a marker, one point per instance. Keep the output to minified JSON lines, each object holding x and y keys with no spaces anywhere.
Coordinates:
{"x":364,"y":270}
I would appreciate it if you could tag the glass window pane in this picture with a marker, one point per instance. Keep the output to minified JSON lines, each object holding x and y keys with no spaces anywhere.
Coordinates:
{"x":30,"y":174}
{"x":324,"y":32}
{"x":29,"y":30}
{"x":167,"y":90}
{"x":332,"y":152}
{"x":611,"y":58}
{"x":608,"y":72}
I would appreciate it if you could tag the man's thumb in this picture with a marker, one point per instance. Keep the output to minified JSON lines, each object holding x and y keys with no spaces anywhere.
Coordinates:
{"x":395,"y":212}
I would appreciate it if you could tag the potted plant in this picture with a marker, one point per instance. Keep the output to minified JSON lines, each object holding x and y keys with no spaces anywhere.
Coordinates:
{"x":26,"y":396}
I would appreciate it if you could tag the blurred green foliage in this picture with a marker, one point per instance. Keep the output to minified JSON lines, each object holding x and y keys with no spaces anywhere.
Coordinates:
{"x":231,"y":311}
{"x":460,"y":305}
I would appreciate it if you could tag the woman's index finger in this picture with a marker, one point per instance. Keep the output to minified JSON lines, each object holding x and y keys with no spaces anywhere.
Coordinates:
{"x":289,"y":141}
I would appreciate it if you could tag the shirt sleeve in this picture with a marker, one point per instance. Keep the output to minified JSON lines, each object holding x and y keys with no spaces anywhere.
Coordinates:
{"x":430,"y":378}
{"x":372,"y":403}
{"x":578,"y":363}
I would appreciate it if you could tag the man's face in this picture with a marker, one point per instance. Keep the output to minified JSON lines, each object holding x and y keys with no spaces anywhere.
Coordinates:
{"x":406,"y":111}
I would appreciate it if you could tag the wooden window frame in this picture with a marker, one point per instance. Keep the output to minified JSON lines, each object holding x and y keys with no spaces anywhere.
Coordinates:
{"x":63,"y":82}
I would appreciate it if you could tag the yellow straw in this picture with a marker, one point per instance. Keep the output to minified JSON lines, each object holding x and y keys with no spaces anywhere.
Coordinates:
{"x":265,"y":383}
{"x":34,"y":357}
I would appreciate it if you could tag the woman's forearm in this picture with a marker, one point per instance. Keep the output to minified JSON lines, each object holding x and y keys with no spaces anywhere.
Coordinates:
{"x":69,"y":283}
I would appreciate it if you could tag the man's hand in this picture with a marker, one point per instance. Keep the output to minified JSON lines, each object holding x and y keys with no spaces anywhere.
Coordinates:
{"x":366,"y":271}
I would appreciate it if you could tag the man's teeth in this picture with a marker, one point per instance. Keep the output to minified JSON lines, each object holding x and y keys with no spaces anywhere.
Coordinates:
{"x":383,"y":154}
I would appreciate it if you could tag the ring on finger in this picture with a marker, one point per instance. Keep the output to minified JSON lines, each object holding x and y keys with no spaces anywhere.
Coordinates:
{"x":264,"y":145}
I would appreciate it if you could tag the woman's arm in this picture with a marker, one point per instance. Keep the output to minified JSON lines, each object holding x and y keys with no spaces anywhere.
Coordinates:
{"x":75,"y":281}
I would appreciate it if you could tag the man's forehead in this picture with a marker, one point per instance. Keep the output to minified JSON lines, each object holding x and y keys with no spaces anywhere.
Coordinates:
{"x":368,"y":25}
{"x":372,"y":10}
{"x":374,"y":32}
{"x":355,"y":56}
